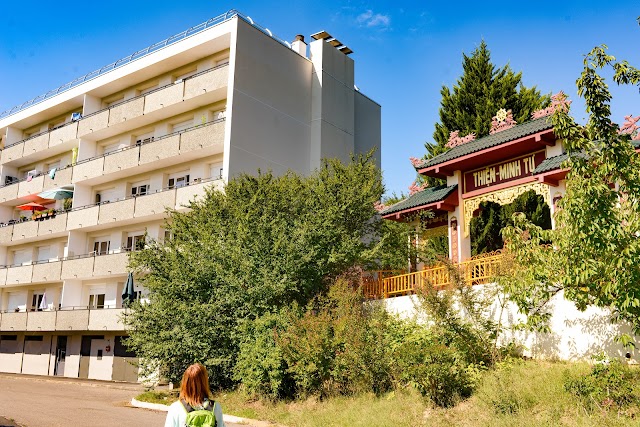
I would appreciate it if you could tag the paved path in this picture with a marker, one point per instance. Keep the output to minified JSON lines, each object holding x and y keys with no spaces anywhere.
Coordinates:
{"x":49,"y":402}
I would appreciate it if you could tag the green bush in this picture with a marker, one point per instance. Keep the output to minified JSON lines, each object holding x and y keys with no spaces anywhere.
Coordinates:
{"x":609,"y":384}
{"x":338,"y":346}
{"x":260,"y":366}
{"x":440,"y":373}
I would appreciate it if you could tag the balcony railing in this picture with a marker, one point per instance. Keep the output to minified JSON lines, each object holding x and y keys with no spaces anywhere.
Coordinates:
{"x":478,"y":270}
{"x":63,"y":319}
{"x":54,"y":136}
{"x":124,"y":61}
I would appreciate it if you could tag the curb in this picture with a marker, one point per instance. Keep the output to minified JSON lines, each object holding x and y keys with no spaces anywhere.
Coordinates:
{"x":165,"y":408}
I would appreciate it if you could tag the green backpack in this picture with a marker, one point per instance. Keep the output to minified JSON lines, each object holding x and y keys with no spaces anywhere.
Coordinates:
{"x":200,"y":417}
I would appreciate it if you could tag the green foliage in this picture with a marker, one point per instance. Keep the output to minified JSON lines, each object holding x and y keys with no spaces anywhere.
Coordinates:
{"x":260,"y":366}
{"x":486,"y":228}
{"x":264,"y":243}
{"x":476,"y":97}
{"x":437,"y":371}
{"x":338,"y":346}
{"x":595,"y":243}
{"x":609,"y":384}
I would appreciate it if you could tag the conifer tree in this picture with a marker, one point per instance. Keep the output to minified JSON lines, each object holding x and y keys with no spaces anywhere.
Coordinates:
{"x":476,"y":97}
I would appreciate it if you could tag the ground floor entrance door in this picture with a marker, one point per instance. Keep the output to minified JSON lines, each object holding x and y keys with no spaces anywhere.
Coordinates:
{"x":85,"y":354}
{"x":61,"y":355}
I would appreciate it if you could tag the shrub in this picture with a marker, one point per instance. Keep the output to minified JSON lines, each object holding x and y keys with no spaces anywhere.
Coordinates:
{"x":439,"y":372}
{"x":610,"y":383}
{"x":338,"y":346}
{"x":260,"y":366}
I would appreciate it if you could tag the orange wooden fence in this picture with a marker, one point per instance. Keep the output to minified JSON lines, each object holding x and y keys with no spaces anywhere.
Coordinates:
{"x":385,"y":284}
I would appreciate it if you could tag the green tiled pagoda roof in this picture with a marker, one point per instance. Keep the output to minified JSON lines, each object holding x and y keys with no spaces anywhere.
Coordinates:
{"x":421,"y":198}
{"x":552,"y":163}
{"x":528,"y":128}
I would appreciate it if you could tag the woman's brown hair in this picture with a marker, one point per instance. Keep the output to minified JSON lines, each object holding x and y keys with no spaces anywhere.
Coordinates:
{"x":195,"y":385}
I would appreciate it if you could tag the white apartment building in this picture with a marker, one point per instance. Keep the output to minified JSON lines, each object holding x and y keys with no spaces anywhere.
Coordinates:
{"x":140,"y":135}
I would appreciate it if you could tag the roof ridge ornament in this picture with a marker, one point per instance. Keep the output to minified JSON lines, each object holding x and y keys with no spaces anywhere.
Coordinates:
{"x":629,"y":127}
{"x":455,"y":139}
{"x":502,"y":120}
{"x":559,"y":102}
{"x":415,"y":188}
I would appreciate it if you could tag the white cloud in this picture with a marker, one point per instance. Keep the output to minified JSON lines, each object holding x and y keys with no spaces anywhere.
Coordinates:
{"x":370,"y":19}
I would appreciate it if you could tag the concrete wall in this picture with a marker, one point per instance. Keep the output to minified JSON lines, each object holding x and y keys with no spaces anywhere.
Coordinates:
{"x":270,"y":106}
{"x":367,"y":127}
{"x":574,"y":334}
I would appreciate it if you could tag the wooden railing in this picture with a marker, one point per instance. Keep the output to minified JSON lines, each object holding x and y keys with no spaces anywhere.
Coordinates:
{"x":371,"y":282}
{"x":477,"y":270}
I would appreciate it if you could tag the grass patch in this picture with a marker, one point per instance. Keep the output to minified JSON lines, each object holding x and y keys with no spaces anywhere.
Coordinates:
{"x":520,"y":394}
{"x":156,"y":396}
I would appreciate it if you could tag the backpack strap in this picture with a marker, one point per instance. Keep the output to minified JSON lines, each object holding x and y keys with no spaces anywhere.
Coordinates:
{"x":210,"y":405}
{"x":186,"y":406}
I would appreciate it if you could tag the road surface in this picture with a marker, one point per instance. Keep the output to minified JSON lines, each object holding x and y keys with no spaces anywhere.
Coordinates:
{"x":50,"y":402}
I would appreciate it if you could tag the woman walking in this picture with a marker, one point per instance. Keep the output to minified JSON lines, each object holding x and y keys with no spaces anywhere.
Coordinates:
{"x":195,"y":406}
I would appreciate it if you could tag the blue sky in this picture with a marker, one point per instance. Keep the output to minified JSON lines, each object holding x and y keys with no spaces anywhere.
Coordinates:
{"x":404,"y":51}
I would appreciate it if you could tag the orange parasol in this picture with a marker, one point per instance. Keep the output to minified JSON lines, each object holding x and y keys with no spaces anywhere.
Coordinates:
{"x":32,"y":206}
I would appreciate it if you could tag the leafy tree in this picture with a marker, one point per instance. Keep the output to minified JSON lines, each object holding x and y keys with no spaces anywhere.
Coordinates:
{"x":264,"y":243}
{"x":486,"y":228}
{"x":595,"y":243}
{"x":476,"y":97}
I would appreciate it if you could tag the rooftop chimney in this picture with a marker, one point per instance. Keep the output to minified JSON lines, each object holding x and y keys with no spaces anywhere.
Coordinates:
{"x":299,"y":45}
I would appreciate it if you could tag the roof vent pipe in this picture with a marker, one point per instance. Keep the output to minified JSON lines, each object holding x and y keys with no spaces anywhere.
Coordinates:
{"x":299,"y":45}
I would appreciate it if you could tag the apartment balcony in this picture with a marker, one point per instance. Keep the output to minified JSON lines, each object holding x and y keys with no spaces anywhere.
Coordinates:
{"x":192,"y":92}
{"x":62,"y":177}
{"x":165,"y":97}
{"x":71,"y":319}
{"x":33,"y":145}
{"x":160,"y":149}
{"x":25,"y":230}
{"x":206,"y":82}
{"x":13,"y":322}
{"x":186,"y":145}
{"x":62,"y":134}
{"x":77,"y":268}
{"x":83,"y":217}
{"x":127,"y":110}
{"x":116,"y":211}
{"x":107,"y":319}
{"x":19,"y":275}
{"x":6,"y":233}
{"x":64,"y":319}
{"x":93,"y":123}
{"x":155,"y":203}
{"x":107,"y":265}
{"x":14,"y":232}
{"x":30,"y":187}
{"x":200,"y":89}
{"x":46,"y":272}
{"x":123,"y":159}
{"x":39,"y":143}
{"x":41,"y":320}
{"x":137,"y":209}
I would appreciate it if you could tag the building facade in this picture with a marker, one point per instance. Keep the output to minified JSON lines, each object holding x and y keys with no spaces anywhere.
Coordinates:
{"x":87,"y":171}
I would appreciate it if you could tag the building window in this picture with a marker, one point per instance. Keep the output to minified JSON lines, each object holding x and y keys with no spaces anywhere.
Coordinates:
{"x":179,"y":181}
{"x":179,"y":127}
{"x":96,"y":301}
{"x":144,"y":138}
{"x":101,"y":247}
{"x":135,"y":242}
{"x":139,"y":190}
{"x":36,"y":301}
{"x":33,"y":338}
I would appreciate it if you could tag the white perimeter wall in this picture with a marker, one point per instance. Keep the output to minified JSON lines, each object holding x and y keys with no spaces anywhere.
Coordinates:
{"x":574,"y":334}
